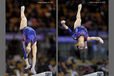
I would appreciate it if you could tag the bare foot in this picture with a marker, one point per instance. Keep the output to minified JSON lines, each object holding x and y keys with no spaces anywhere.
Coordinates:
{"x":22,"y":8}
{"x":80,"y":6}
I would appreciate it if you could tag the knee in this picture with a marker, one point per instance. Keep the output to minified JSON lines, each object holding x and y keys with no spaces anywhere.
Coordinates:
{"x":34,"y":48}
{"x":34,"y":55}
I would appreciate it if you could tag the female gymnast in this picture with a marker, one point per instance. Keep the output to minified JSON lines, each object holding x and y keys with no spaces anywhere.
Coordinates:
{"x":29,"y":41}
{"x":81,"y":34}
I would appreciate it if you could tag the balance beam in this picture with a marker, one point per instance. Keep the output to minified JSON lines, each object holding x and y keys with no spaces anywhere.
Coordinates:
{"x":95,"y":74}
{"x":43,"y":74}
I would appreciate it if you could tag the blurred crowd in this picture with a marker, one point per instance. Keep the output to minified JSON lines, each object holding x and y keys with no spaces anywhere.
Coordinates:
{"x":94,"y":15}
{"x":70,"y":66}
{"x":38,"y":14}
{"x":74,"y":62}
{"x":16,"y":64}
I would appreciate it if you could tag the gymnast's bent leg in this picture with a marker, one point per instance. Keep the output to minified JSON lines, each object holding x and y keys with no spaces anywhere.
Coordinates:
{"x":26,"y":53}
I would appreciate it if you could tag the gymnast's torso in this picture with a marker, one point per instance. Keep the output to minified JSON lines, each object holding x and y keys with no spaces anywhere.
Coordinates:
{"x":29,"y":35}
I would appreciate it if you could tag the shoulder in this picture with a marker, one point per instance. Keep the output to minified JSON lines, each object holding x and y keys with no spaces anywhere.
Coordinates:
{"x":74,"y":36}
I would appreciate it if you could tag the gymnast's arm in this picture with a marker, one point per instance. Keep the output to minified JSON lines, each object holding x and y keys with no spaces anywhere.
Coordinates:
{"x":66,"y":27}
{"x":95,"y":38}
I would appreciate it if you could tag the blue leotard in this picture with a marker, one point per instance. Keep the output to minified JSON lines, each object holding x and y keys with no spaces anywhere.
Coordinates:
{"x":78,"y":31}
{"x":29,"y":35}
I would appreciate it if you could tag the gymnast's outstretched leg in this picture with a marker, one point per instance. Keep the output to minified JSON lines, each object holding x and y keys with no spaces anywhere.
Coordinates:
{"x":78,"y":17}
{"x":23,"y":18}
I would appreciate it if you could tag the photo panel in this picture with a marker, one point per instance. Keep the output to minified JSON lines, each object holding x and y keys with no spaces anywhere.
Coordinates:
{"x":30,"y":37}
{"x":83,"y":38}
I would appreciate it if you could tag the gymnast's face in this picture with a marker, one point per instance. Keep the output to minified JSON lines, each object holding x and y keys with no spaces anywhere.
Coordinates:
{"x":81,"y":44}
{"x":28,"y":48}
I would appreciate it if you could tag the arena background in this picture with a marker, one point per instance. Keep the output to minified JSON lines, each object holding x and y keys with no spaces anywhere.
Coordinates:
{"x":41,"y":16}
{"x":94,"y":16}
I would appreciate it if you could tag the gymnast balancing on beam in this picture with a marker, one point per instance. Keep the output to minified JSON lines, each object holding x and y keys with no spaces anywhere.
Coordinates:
{"x":29,"y":41}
